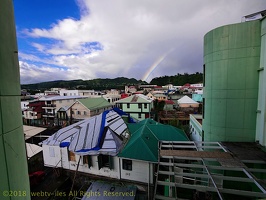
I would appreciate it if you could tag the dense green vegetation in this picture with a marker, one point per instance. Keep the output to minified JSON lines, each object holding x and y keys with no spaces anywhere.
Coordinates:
{"x":116,"y":83}
{"x":179,"y":79}
{"x":96,"y":84}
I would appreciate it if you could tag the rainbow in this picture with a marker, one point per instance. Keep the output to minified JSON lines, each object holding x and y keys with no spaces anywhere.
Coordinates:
{"x":154,"y":65}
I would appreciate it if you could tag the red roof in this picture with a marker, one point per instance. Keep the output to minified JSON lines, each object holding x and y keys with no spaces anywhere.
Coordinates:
{"x":169,"y":102}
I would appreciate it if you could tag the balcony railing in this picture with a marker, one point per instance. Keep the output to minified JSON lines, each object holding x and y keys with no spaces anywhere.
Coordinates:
{"x":31,"y":117}
{"x":48,"y":115}
{"x":49,"y":106}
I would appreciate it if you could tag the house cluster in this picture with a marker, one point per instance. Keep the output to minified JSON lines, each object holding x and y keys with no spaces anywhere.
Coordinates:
{"x":107,"y":147}
{"x":61,"y":107}
{"x":103,"y":133}
{"x":133,"y":142}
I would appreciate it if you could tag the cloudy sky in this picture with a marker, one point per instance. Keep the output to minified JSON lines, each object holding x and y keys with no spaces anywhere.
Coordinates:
{"x":142,"y":39}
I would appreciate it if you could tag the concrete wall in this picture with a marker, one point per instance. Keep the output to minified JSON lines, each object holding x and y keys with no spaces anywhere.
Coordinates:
{"x":195,"y":128}
{"x":13,"y":165}
{"x":232,"y":59}
{"x":52,"y":156}
{"x":55,"y":156}
{"x":188,"y":105}
{"x":141,"y":172}
{"x":78,"y":107}
{"x":65,"y":102}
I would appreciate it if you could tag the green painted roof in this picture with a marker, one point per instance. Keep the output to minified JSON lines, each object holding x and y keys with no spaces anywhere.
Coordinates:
{"x":143,"y":143}
{"x":136,"y":98}
{"x":94,"y":103}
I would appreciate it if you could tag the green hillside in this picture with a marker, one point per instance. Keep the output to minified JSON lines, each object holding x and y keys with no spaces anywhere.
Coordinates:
{"x":116,"y":83}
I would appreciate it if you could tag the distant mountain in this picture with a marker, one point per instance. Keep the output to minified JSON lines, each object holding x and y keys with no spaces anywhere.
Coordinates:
{"x":116,"y":83}
{"x":96,"y":84}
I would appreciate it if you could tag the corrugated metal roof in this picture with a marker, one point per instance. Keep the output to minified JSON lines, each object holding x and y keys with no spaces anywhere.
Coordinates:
{"x":57,"y":97}
{"x":169,"y":102}
{"x":137,"y":98}
{"x":102,"y":134}
{"x":31,"y":131}
{"x":64,"y":108}
{"x":186,"y":99}
{"x":32,"y":149}
{"x":143,"y":143}
{"x":95,"y":103}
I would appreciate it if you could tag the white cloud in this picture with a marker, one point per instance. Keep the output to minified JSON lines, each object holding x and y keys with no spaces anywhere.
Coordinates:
{"x":134,"y":34}
{"x":30,"y":73}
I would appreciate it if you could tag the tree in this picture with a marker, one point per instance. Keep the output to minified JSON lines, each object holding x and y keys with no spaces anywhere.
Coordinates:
{"x":158,"y":106}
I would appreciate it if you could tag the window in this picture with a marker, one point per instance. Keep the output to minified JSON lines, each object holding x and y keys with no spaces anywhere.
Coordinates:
{"x":71,"y":156}
{"x":87,"y":160}
{"x":128,"y":105}
{"x":203,"y":107}
{"x":204,"y":75}
{"x":139,"y":115}
{"x":127,"y":164}
{"x":105,"y":161}
{"x":145,"y":105}
{"x":85,"y":113}
{"x":139,"y":105}
{"x":78,"y":112}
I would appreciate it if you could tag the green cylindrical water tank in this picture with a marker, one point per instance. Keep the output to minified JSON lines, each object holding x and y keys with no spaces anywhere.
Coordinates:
{"x":231,"y":63}
{"x":14,"y":181}
{"x":261,"y":114}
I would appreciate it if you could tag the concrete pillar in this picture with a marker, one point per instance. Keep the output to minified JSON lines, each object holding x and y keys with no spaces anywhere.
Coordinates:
{"x":14,"y":180}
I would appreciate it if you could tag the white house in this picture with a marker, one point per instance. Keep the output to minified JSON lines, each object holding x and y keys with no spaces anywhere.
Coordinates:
{"x":187,"y":104}
{"x":86,"y":93}
{"x":101,"y":146}
{"x":24,"y":105}
{"x":112,"y":96}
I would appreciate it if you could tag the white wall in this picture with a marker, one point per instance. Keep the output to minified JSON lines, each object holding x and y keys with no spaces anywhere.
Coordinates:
{"x":63,"y":155}
{"x":195,"y":128}
{"x":94,"y":169}
{"x":52,"y":156}
{"x":68,"y":92}
{"x":139,"y":172}
{"x":24,"y":105}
